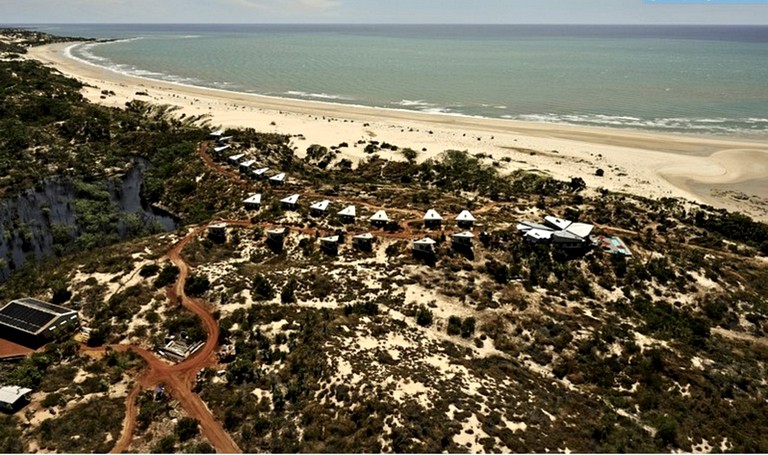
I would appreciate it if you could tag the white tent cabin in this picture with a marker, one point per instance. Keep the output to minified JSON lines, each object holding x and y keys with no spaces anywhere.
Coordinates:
{"x":432,"y":219}
{"x":276,"y":235}
{"x":330,"y":244}
{"x":217,"y":134}
{"x":235,"y":159}
{"x":217,"y":151}
{"x":348,"y":215}
{"x":363,"y":241}
{"x":253,"y":202}
{"x":278,"y":179}
{"x":319,"y":208}
{"x":245,"y":166}
{"x":425,"y":245}
{"x":557,"y":223}
{"x":260,"y":173}
{"x":465,"y":220}
{"x":379,"y":219}
{"x":462,"y":239}
{"x":538,"y":235}
{"x":290,"y":202}
{"x":217,"y":232}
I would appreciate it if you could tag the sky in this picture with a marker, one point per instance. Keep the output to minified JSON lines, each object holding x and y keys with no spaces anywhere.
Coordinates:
{"x":387,"y":11}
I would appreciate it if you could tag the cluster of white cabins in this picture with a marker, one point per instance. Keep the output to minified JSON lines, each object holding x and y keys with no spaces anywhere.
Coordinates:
{"x":561,"y":233}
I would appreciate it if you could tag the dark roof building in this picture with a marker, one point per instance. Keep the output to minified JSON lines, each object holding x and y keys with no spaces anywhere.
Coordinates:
{"x":33,"y":323}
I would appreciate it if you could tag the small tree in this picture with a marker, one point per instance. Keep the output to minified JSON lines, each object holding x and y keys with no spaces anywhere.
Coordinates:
{"x":424,"y":316}
{"x":196,"y":285}
{"x":262,"y":288}
{"x":287,"y":295}
{"x":187,"y":428}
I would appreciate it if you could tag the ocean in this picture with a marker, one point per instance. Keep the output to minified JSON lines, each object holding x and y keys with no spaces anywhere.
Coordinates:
{"x":708,"y":80}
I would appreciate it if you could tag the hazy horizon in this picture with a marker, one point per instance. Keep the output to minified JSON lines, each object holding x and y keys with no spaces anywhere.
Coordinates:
{"x":481,"y":12}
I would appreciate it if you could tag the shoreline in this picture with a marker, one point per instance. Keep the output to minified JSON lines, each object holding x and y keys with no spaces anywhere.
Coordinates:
{"x":720,"y":171}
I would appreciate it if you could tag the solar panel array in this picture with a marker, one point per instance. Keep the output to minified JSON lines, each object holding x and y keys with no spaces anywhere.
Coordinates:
{"x":24,"y":317}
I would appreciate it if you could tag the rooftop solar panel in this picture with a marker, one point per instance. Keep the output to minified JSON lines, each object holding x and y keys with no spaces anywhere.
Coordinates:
{"x":24,"y":317}
{"x":44,"y":305}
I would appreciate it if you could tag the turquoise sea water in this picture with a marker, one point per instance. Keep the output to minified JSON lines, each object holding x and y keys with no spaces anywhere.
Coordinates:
{"x":700,"y":80}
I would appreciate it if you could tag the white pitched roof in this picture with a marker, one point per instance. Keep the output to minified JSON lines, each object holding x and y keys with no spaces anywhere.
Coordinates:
{"x":248,"y":163}
{"x":580,"y":229}
{"x":217,"y":133}
{"x":330,"y":239}
{"x":366,"y":236}
{"x":349,"y":211}
{"x":559,"y":223}
{"x":381,"y":215}
{"x":424,"y":241}
{"x":528,"y":225}
{"x":12,"y":394}
{"x":224,"y":138}
{"x":277,"y":231}
{"x":432,"y":215}
{"x":236,"y":157}
{"x":260,"y":171}
{"x":253,"y":199}
{"x":565,"y":235}
{"x":540,"y":234}
{"x":464,"y":235}
{"x":322,"y":205}
{"x":292,"y":199}
{"x":218,"y":226}
{"x":465,"y":216}
{"x":221,"y":149}
{"x":279,"y":177}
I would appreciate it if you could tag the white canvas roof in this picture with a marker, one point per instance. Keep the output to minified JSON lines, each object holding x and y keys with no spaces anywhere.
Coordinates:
{"x":540,"y":234}
{"x":236,"y":157}
{"x":528,"y":225}
{"x":278,"y":231}
{"x":12,"y":394}
{"x":279,"y":177}
{"x":465,"y":216}
{"x":292,"y":199}
{"x":349,"y":211}
{"x":248,"y":163}
{"x":580,"y":229}
{"x":221,"y":149}
{"x":381,"y":215}
{"x":322,"y":205}
{"x":432,"y":215}
{"x":217,"y":133}
{"x":224,"y":138}
{"x":253,"y":199}
{"x":366,"y":236}
{"x":331,"y":239}
{"x":559,"y":223}
{"x":218,"y":226}
{"x":566,"y":236}
{"x":424,"y":241}
{"x":260,"y":171}
{"x":464,"y":235}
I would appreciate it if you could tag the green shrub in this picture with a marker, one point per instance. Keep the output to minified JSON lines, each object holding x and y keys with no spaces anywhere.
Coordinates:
{"x":424,"y":316}
{"x":167,"y":276}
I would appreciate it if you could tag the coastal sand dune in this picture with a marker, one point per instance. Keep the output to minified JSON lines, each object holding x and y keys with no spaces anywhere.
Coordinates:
{"x":644,"y":163}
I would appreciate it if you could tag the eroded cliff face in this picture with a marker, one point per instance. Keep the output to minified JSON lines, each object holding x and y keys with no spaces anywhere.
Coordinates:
{"x":45,"y":220}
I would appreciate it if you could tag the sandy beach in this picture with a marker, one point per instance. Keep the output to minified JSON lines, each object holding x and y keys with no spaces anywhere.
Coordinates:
{"x":725,"y":172}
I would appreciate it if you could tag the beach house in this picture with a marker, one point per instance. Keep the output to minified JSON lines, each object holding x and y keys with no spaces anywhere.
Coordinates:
{"x":465,"y":220}
{"x":245,"y":166}
{"x":276,"y":237}
{"x":330,"y":244}
{"x":259,"y":173}
{"x":235,"y":159}
{"x":379,"y":219}
{"x":278,"y":179}
{"x":348,"y":215}
{"x":432,"y":219}
{"x":217,"y":232}
{"x":290,"y":202}
{"x":319,"y":208}
{"x":425,"y":245}
{"x":462,"y":239}
{"x":253,"y":202}
{"x":363,"y":241}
